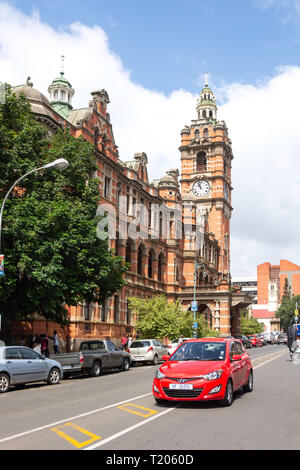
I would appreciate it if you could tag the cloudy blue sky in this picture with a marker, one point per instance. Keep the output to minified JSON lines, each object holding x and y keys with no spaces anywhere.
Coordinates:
{"x":151,"y":57}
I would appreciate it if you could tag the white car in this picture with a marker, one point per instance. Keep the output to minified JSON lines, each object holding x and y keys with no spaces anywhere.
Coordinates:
{"x":174,"y":345}
{"x":147,"y":350}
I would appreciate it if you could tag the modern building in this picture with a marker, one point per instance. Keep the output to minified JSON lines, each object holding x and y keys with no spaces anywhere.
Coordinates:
{"x":174,"y":231}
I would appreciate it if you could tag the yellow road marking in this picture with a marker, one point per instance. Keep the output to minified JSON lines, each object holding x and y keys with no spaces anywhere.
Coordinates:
{"x":73,"y":441}
{"x":125,"y":408}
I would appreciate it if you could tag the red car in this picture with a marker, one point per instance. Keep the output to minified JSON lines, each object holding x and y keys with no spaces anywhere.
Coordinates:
{"x":255,"y":340}
{"x":204,"y":369}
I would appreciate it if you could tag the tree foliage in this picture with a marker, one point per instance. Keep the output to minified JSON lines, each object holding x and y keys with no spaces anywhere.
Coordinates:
{"x":158,"y":318}
{"x":286,"y":312}
{"x":250,"y":326}
{"x":53,"y":256}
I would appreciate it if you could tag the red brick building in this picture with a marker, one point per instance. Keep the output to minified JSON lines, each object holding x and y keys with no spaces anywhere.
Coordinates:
{"x":271,"y":281}
{"x":183,"y":241}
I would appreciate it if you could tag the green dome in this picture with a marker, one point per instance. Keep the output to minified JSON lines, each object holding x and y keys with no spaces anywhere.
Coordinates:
{"x":61,"y":80}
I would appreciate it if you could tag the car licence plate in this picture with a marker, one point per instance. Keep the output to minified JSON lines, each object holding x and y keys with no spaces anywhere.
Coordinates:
{"x":138,"y":358}
{"x":181,"y":386}
{"x":67,"y":367}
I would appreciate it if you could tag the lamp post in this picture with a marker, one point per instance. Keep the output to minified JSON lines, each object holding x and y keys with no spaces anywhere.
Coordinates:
{"x":195,"y":303}
{"x":59,"y":164}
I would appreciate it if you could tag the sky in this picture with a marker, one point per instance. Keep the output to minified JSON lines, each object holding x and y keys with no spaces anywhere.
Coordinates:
{"x":151,"y":58}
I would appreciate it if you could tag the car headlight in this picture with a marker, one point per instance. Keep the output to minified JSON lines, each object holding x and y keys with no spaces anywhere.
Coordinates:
{"x":213,"y":375}
{"x":159,"y":374}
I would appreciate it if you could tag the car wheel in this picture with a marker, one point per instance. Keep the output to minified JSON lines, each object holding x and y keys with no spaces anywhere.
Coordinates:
{"x":126,"y":364}
{"x":249,"y":385}
{"x":228,"y":398}
{"x":159,"y":401}
{"x":54,"y":376}
{"x":96,"y":369}
{"x":4,"y":383}
{"x":155,"y":361}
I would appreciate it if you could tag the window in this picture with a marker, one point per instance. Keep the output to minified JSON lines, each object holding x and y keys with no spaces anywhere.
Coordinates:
{"x":150,"y":261}
{"x":205,"y":132}
{"x":13,"y":353}
{"x":160,"y":260}
{"x":29,"y":354}
{"x":111,"y":346}
{"x":106,"y":187}
{"x":140,"y":259}
{"x":204,"y":114}
{"x":201,"y":161}
{"x":97,"y":345}
{"x":210,"y":114}
{"x":116,"y":308}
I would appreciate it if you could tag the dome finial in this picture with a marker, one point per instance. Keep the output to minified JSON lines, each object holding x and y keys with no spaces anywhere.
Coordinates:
{"x":62,"y":65}
{"x":206,"y":79}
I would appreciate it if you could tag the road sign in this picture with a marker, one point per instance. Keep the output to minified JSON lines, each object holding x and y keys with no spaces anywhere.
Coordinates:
{"x":195,"y":325}
{"x":194,"y":306}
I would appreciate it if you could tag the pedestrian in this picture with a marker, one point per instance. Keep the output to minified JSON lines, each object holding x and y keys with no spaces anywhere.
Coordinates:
{"x":129,"y":343}
{"x":55,"y":342}
{"x":124,"y":342}
{"x":44,"y":345}
{"x":36,"y":347}
{"x":291,"y":337}
{"x":180,"y":339}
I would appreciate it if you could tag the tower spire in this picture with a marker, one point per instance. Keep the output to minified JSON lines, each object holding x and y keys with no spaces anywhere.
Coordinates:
{"x":62,"y":65}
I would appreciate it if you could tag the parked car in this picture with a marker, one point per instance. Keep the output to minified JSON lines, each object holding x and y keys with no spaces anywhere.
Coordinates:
{"x":93,"y":357}
{"x":282,"y":338}
{"x":246,"y":341}
{"x":204,"y":369}
{"x":174,"y":345}
{"x":263,"y":339}
{"x":147,"y":350}
{"x":20,"y":365}
{"x":269,"y":337}
{"x":255,"y":340}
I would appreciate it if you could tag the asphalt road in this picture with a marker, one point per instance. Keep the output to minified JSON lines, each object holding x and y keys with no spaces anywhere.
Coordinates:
{"x":117,"y":412}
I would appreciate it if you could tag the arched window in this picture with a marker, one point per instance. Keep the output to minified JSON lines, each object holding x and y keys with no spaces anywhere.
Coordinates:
{"x":204,"y":114}
{"x":150,"y":263}
{"x":201,"y":161}
{"x":210,"y":114}
{"x":159,"y":267}
{"x":205,"y":132}
{"x":197,"y":134}
{"x":128,"y":252}
{"x":140,"y":258}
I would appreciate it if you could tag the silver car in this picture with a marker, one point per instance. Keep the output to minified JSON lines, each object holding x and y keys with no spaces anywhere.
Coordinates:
{"x":20,"y":365}
{"x":147,"y":350}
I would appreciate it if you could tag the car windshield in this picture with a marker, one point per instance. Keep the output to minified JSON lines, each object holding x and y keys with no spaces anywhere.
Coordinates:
{"x":200,"y":351}
{"x":140,"y":344}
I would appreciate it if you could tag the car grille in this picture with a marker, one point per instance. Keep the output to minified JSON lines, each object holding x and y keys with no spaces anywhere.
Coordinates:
{"x":183,"y":393}
{"x":183,"y":380}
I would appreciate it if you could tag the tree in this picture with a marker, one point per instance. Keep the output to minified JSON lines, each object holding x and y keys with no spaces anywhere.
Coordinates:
{"x":286,"y":311}
{"x":158,"y":318}
{"x":53,"y":256}
{"x":250,"y":326}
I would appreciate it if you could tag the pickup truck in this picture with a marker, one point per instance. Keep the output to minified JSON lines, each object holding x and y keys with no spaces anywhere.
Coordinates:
{"x":94,"y":356}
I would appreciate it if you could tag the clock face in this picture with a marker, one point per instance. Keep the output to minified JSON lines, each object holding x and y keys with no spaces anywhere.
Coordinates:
{"x":201,"y":188}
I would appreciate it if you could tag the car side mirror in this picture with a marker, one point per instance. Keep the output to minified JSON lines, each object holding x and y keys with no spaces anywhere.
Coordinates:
{"x":236,"y":357}
{"x":165,"y":358}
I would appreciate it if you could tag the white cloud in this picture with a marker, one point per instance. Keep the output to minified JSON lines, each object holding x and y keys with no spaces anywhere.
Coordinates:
{"x":263,"y":122}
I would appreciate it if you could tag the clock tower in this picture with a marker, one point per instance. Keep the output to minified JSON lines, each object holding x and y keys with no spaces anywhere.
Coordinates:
{"x":206,"y":157}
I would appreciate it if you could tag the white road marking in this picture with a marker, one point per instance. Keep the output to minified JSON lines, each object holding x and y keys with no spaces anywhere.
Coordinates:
{"x":15,"y":436}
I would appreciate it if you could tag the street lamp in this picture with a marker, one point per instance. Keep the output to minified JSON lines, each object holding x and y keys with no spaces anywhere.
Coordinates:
{"x":59,"y":164}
